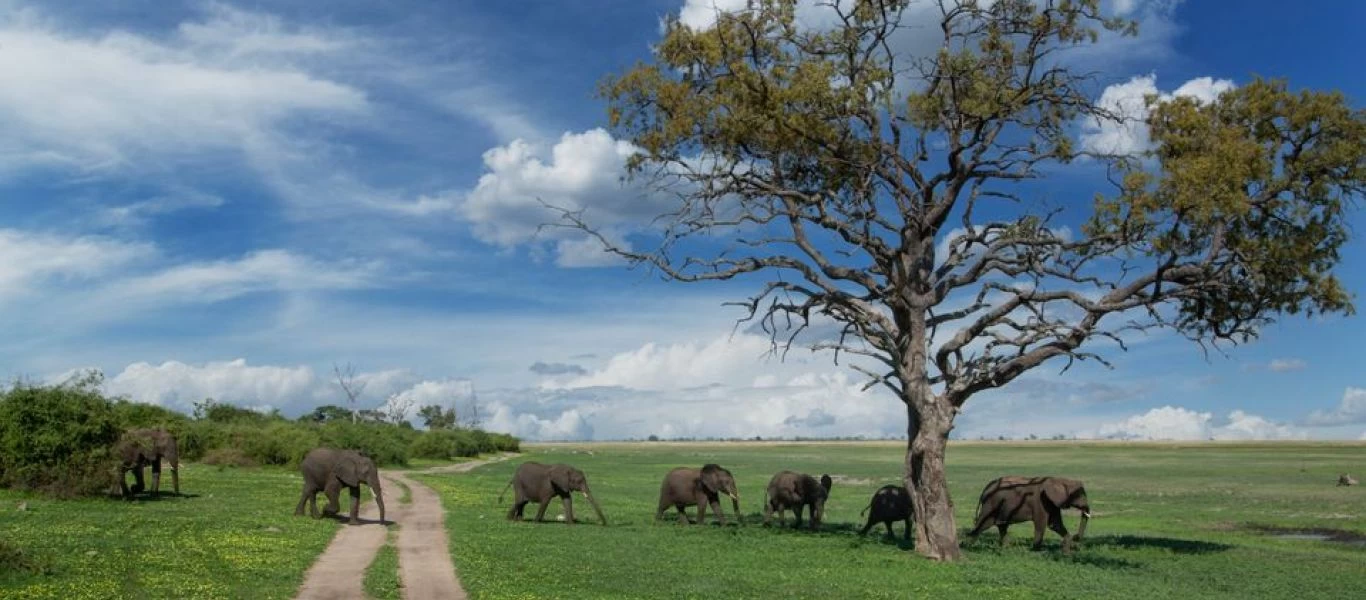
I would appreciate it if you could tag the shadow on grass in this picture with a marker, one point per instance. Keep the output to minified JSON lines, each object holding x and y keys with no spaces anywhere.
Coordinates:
{"x":1174,"y":545}
{"x":150,"y":497}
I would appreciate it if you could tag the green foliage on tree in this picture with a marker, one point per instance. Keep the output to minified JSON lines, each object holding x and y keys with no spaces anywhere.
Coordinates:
{"x":825,"y":165}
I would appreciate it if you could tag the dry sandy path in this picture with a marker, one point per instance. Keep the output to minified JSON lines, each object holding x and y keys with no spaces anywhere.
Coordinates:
{"x":424,"y":561}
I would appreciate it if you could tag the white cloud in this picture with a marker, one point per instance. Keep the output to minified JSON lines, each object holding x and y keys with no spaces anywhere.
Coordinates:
{"x":174,"y":200}
{"x":1177,"y":423}
{"x":1285,"y":365}
{"x":266,"y":270}
{"x":1128,"y":133}
{"x":582,"y":171}
{"x":730,"y":360}
{"x":29,"y":258}
{"x":178,"y":386}
{"x":1351,"y":410}
{"x":116,"y":100}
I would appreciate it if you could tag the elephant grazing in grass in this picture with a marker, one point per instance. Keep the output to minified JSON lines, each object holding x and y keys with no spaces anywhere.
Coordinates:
{"x":141,"y":447}
{"x":796,"y":490}
{"x":536,"y":482}
{"x":327,"y":470}
{"x":686,"y":486}
{"x":1016,"y":499}
{"x":889,"y":504}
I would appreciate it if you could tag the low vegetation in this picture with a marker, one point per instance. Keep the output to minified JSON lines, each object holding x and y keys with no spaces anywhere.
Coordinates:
{"x":231,"y":536}
{"x":1170,"y":521}
{"x":57,"y":438}
{"x":381,"y":578}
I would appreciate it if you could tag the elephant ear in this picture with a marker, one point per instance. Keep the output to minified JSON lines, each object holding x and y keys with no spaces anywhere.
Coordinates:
{"x":1057,"y":492}
{"x":706,"y":481}
{"x":560,"y":479}
{"x":349,"y":469}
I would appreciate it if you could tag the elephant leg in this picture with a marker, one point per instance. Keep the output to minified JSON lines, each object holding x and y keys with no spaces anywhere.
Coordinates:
{"x":175,"y":479}
{"x":569,"y":509}
{"x":1040,"y":524}
{"x":908,"y":529}
{"x":1055,"y":523}
{"x":716,"y":508}
{"x":355,"y":505}
{"x":867,"y":526}
{"x":701,"y":509}
{"x":332,"y":491}
{"x":797,"y":516}
{"x":156,"y":476}
{"x":1002,"y":529}
{"x":303,"y":499}
{"x":768,"y":512}
{"x":540,"y":509}
{"x":890,"y":533}
{"x":682,"y":513}
{"x":138,"y":484}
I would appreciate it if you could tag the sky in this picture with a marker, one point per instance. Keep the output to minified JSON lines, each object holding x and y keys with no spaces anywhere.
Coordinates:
{"x":217,"y":199}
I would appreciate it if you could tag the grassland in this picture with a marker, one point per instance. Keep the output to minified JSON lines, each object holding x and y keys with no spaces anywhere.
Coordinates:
{"x":232,"y":536}
{"x":381,"y":577}
{"x":1170,"y":521}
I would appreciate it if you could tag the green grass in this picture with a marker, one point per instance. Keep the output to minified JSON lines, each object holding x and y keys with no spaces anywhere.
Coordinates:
{"x":233,"y":536}
{"x":405,"y":495}
{"x":1170,"y":521}
{"x":381,"y":578}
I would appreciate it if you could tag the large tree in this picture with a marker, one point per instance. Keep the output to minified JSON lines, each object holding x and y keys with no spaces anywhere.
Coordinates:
{"x":826,"y":165}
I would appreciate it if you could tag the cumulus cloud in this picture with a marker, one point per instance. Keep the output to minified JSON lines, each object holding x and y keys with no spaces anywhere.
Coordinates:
{"x":1177,"y":423}
{"x":726,"y":359}
{"x":178,"y":386}
{"x":1351,"y":410}
{"x":1127,"y":134}
{"x":581,"y":171}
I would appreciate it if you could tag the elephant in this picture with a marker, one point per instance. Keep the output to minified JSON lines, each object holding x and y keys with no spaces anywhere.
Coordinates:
{"x":686,"y":486}
{"x":327,"y":470}
{"x":1016,"y":499}
{"x":795,"y":490}
{"x":536,"y":482}
{"x":890,"y":503}
{"x":141,"y":447}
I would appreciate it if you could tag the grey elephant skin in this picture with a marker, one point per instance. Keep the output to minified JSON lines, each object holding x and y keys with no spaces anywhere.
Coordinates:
{"x":536,"y":482}
{"x":890,"y":503}
{"x":1016,"y":499}
{"x":327,"y":470}
{"x":686,"y":486}
{"x":790,"y":490}
{"x":139,"y":448}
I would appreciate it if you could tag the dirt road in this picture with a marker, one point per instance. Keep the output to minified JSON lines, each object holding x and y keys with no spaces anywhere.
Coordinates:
{"x":424,"y":560}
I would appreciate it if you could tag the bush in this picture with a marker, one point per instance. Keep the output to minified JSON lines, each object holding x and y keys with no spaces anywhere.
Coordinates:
{"x":13,"y":559}
{"x":57,"y":438}
{"x":383,"y":443}
{"x":227,"y":457}
{"x":280,"y":443}
{"x":137,"y":415}
{"x":504,"y":442}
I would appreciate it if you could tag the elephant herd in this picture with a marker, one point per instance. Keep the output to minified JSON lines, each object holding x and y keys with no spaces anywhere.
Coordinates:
{"x":1005,"y":500}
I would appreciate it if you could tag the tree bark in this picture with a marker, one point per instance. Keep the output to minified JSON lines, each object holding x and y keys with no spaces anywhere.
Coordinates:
{"x":936,"y":535}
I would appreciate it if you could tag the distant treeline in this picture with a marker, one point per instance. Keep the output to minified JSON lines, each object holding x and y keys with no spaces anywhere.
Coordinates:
{"x":59,"y":438}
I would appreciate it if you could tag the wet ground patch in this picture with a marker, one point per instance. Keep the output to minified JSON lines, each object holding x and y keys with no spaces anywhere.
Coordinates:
{"x":1312,"y":534}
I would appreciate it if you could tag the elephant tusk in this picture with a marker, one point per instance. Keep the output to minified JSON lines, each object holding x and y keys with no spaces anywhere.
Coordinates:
{"x":1086,"y":514}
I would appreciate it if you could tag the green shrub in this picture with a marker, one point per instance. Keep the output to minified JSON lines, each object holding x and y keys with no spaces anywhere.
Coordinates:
{"x":13,"y":559}
{"x":57,"y":438}
{"x":139,"y":415}
{"x":281,"y":443}
{"x":228,"y":457}
{"x":385,"y":444}
{"x":504,"y":442}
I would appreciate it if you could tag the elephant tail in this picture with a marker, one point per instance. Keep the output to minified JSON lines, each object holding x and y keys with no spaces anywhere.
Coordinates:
{"x":865,"y":509}
{"x":505,"y":490}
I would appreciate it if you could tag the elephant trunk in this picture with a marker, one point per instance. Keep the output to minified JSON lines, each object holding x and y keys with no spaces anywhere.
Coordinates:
{"x":379,"y":499}
{"x":594,"y":501}
{"x":735,"y":503}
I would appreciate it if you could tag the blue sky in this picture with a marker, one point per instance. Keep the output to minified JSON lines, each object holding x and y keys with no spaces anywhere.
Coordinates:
{"x":224,"y":199}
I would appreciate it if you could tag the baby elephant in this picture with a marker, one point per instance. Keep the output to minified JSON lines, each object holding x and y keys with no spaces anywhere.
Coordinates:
{"x":1016,"y":499}
{"x":890,"y":503}
{"x":796,"y":490}
{"x":686,"y":486}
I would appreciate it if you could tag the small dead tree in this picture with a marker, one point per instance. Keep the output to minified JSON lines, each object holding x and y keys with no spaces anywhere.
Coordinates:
{"x":472,"y":420}
{"x":826,"y":166}
{"x":397,"y":407}
{"x":350,"y":385}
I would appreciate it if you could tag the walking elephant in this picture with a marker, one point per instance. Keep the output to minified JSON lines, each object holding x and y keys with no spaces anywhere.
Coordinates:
{"x":797,"y":490}
{"x":328,"y":470}
{"x":141,"y":447}
{"x":686,"y":486}
{"x":889,"y":504}
{"x":536,"y":482}
{"x":1016,"y":499}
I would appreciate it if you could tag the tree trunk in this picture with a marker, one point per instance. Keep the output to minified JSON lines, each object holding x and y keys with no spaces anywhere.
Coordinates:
{"x":936,"y":535}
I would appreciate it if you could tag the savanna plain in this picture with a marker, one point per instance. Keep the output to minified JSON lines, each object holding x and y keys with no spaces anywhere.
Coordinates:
{"x":1208,"y":520}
